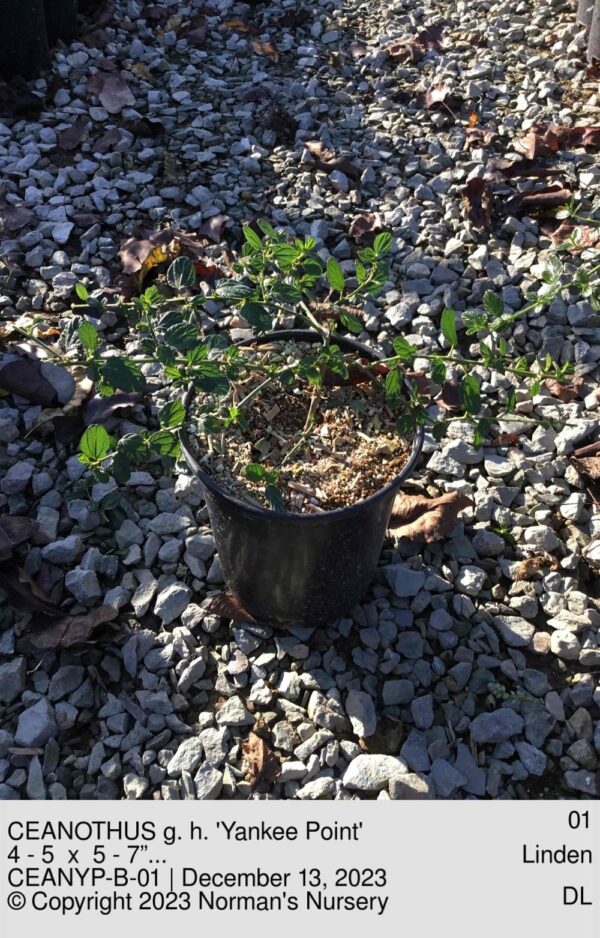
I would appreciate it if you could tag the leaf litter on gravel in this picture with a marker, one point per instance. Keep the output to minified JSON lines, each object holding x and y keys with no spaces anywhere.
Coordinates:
{"x":328,"y":161}
{"x":261,"y":762}
{"x":427,"y":519}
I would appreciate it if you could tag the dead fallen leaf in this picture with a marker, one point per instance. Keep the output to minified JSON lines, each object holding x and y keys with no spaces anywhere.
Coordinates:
{"x":478,"y":200}
{"x":115,"y":94}
{"x":369,"y":223}
{"x":538,"y":200}
{"x":413,"y":50}
{"x":207,"y":272}
{"x":532,"y":565}
{"x":328,"y":161}
{"x":565,"y":392}
{"x":547,"y":139}
{"x":213,"y":228}
{"x":440,"y":95}
{"x":586,"y":236}
{"x":262,"y":763}
{"x":497,"y":170}
{"x":240,"y":25}
{"x":24,"y":594}
{"x":592,"y":449}
{"x":14,"y":217}
{"x":100,"y":409}
{"x":24,"y":378}
{"x":476,"y":136}
{"x":229,"y":607}
{"x":450,"y":396}
{"x":505,"y":439}
{"x":588,"y":466}
{"x":263,"y":47}
{"x":69,"y":631}
{"x":107,"y":141}
{"x":146,"y":127}
{"x":14,"y":530}
{"x":197,"y":35}
{"x":72,"y":136}
{"x":136,"y":254}
{"x":427,"y":519}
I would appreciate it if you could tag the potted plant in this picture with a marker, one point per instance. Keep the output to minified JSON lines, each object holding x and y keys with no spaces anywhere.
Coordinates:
{"x":302,"y":437}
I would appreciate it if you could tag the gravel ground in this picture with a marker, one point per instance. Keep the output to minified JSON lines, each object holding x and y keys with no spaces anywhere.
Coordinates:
{"x":458,"y":677}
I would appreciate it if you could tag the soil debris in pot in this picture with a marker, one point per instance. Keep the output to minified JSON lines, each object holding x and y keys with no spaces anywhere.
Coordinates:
{"x":326,"y":448}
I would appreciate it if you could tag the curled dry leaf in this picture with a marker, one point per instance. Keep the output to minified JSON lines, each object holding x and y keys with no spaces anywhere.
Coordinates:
{"x":478,"y":199}
{"x":538,"y":200}
{"x":24,"y":378}
{"x":427,"y":519}
{"x":101,"y":409}
{"x":72,"y":136}
{"x":14,"y":530}
{"x":547,"y":139}
{"x":413,"y":50}
{"x":532,"y":565}
{"x":479,"y":136}
{"x":240,"y":25}
{"x":228,"y":606}
{"x":262,"y":763}
{"x":115,"y":94}
{"x":107,"y":141}
{"x":213,"y":228}
{"x":369,"y":223}
{"x":328,"y":161}
{"x":565,"y":392}
{"x":440,"y":95}
{"x":263,"y":47}
{"x":138,"y":255}
{"x":586,"y":237}
{"x":588,"y":466}
{"x":24,"y":593}
{"x":69,"y":631}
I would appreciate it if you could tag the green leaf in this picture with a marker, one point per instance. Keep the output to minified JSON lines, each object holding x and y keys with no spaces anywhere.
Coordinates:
{"x":113,"y":498}
{"x":382,"y":243}
{"x":255,"y":472}
{"x":165,"y":443}
{"x":361,"y":272}
{"x":233,"y":290}
{"x":393,"y":383}
{"x":448,"y":326}
{"x":132,"y":445}
{"x":120,"y":469}
{"x":439,"y":430}
{"x":438,"y":370}
{"x":82,"y":291}
{"x":405,"y":425}
{"x":172,"y":415}
{"x":95,"y":444}
{"x":404,"y":349}
{"x":351,"y":323}
{"x":88,"y":336}
{"x":181,"y":273}
{"x":183,"y":336}
{"x":209,"y":377}
{"x":256,"y":316}
{"x":335,"y":275}
{"x":469,"y":394}
{"x":492,"y":303}
{"x":474,"y":321}
{"x":274,"y":498}
{"x":482,"y":429}
{"x":252,"y":238}
{"x":266,"y":228}
{"x":211,"y":424}
{"x":122,"y":374}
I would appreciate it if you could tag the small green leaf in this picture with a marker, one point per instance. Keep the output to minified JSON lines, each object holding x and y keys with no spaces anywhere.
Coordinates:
{"x":256,"y":316}
{"x":266,"y":228}
{"x":382,"y":243}
{"x":183,"y":336}
{"x":404,"y":349}
{"x":120,"y":469}
{"x":181,"y":273}
{"x":165,"y":443}
{"x":255,"y":472}
{"x":492,"y":303}
{"x":405,"y":425}
{"x":95,"y":443}
{"x":393,"y":383}
{"x":82,"y":292}
{"x":448,"y":326}
{"x":122,"y":374}
{"x":438,"y":370}
{"x":469,"y":394}
{"x":335,"y":275}
{"x":88,"y":336}
{"x":172,"y":415}
{"x":274,"y":498}
{"x":252,"y":238}
{"x":351,"y":323}
{"x":233,"y":290}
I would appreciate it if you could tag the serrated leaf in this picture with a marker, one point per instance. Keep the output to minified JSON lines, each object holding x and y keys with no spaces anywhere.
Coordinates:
{"x":351,"y":323}
{"x":335,"y":275}
{"x":233,"y":290}
{"x":254,"y":472}
{"x":252,"y":238}
{"x":183,"y":336}
{"x":164,"y":443}
{"x":274,"y":498}
{"x":181,"y":273}
{"x":470,"y":395}
{"x":120,"y":469}
{"x":382,"y":243}
{"x":404,"y":349}
{"x":438,"y":370}
{"x":393,"y":383}
{"x":172,"y":415}
{"x":88,"y":336}
{"x":448,"y":326}
{"x":95,"y":443}
{"x":256,"y":316}
{"x":492,"y":303}
{"x":82,"y":292}
{"x":406,"y":424}
{"x":122,"y":374}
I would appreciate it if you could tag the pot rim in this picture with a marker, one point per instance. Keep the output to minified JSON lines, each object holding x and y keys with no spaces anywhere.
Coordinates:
{"x":300,"y":335}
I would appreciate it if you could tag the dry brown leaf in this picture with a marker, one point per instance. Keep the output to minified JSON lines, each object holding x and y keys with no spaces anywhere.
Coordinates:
{"x":369,"y":223}
{"x":413,"y":50}
{"x":328,"y":161}
{"x":588,"y":466}
{"x":532,"y":565}
{"x":476,"y":136}
{"x":24,"y":594}
{"x":14,"y":530}
{"x":441,"y":94}
{"x":532,"y":200}
{"x":229,"y":607}
{"x":263,"y":47}
{"x":262,"y":763}
{"x":71,"y":630}
{"x":72,"y":136}
{"x":565,"y":392}
{"x":478,"y":198}
{"x":115,"y":94}
{"x":547,"y":139}
{"x":427,"y":519}
{"x":237,"y":23}
{"x":587,"y":237}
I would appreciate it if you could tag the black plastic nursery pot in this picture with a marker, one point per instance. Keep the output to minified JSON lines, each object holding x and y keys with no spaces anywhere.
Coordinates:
{"x":309,"y":569}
